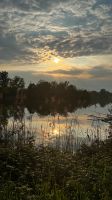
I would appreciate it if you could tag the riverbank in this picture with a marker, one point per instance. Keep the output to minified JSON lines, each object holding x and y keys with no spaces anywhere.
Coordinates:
{"x":44,"y":173}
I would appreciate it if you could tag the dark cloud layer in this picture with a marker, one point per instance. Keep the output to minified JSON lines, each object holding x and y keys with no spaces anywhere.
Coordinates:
{"x":71,"y":72}
{"x":31,"y":28}
{"x":96,"y":80}
{"x":102,"y":72}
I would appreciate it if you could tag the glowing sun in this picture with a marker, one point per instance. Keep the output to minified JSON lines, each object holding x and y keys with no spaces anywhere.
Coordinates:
{"x":56,"y":60}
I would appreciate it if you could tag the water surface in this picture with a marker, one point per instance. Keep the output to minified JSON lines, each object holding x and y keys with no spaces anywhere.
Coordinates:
{"x":79,"y":125}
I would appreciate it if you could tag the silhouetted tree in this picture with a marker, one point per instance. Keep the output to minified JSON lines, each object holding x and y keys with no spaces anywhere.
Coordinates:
{"x":4,"y":79}
{"x":17,"y":82}
{"x":49,"y":97}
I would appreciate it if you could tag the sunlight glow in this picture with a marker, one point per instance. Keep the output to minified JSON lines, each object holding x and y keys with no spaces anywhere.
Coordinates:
{"x":56,"y":132}
{"x":56,"y":60}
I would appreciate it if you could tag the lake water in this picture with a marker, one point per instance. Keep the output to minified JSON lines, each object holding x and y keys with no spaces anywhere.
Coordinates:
{"x":71,"y":130}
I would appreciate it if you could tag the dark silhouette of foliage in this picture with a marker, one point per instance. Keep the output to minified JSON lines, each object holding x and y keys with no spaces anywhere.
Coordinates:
{"x":4,"y":80}
{"x":9,"y":87}
{"x":17,"y":82}
{"x":49,"y":97}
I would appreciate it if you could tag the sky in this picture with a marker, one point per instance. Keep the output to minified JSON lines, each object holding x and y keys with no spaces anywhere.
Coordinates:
{"x":58,"y":40}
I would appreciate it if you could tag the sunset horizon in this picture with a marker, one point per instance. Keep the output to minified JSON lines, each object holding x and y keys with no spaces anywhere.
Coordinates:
{"x":58,"y":40}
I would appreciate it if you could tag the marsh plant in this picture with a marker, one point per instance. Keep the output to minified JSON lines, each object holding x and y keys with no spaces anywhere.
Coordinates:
{"x":30,"y":172}
{"x":60,"y":132}
{"x":44,"y":172}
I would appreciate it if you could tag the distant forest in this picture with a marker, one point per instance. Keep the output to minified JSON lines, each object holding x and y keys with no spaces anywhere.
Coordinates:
{"x":48,"y":97}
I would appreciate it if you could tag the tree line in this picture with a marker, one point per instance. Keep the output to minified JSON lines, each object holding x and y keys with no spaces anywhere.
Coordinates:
{"x":45,"y":97}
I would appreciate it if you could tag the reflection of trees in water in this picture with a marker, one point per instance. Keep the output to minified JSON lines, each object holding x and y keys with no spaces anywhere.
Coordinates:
{"x":4,"y":115}
{"x":48,"y":97}
{"x":6,"y":112}
{"x":66,"y":138}
{"x":10,"y":131}
{"x":12,"y":126}
{"x":51,"y":97}
{"x":109,"y":120}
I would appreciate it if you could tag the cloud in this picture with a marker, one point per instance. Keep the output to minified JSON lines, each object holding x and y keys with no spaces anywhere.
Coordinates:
{"x":11,"y":50}
{"x":102,"y":72}
{"x":82,"y":45}
{"x":29,"y":29}
{"x":71,"y":72}
{"x":31,"y":5}
{"x":93,"y":83}
{"x":97,"y":72}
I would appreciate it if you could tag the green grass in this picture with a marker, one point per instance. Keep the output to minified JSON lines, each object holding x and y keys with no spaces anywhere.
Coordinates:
{"x":44,"y":173}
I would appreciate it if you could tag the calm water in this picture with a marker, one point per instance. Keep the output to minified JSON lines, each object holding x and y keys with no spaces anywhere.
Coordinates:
{"x":73,"y":129}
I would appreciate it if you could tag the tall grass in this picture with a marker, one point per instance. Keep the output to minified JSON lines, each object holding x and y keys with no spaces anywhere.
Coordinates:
{"x":58,"y":132}
{"x":45,"y":172}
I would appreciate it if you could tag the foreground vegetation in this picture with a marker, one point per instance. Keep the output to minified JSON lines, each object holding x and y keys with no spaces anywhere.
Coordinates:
{"x":44,"y":173}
